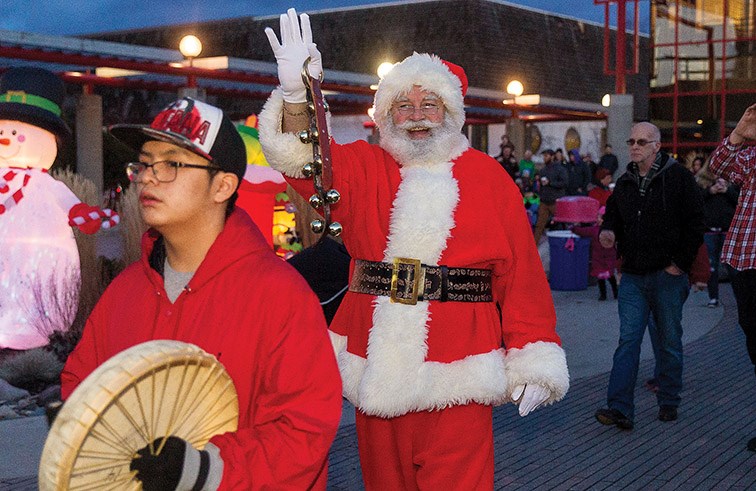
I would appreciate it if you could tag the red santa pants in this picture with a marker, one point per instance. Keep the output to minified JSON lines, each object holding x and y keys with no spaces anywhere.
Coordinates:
{"x":447,"y":449}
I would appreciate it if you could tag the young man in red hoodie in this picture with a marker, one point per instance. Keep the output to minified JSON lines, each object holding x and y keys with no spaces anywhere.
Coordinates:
{"x":208,"y":277}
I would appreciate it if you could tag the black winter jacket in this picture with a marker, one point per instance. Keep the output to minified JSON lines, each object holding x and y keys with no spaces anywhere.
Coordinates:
{"x":664,"y":227}
{"x":720,"y":208}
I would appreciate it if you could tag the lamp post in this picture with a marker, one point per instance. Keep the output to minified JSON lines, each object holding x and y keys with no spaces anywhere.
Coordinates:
{"x":190,"y":47}
{"x":515,"y":127}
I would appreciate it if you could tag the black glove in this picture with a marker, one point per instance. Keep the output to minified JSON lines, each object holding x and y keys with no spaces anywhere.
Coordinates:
{"x":163,"y":472}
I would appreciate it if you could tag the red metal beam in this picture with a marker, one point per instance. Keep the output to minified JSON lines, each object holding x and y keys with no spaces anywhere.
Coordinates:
{"x":664,"y":95}
{"x":93,"y":61}
{"x":160,"y":68}
{"x":620,"y":86}
{"x":520,"y":108}
{"x":620,"y":71}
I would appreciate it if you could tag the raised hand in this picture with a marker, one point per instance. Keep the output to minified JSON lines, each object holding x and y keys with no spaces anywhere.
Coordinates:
{"x":746,"y":128}
{"x":295,"y":46}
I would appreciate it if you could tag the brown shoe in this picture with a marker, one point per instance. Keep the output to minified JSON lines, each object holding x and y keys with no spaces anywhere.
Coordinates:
{"x":614,"y":417}
{"x":667,"y":413}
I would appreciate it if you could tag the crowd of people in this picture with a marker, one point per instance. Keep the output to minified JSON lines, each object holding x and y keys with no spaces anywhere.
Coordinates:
{"x":552,"y":177}
{"x":664,"y":228}
{"x":543,"y":182}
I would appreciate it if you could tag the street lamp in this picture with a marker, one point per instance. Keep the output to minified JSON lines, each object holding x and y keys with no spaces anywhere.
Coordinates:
{"x":515,"y":88}
{"x":190,"y":47}
{"x":606,"y":101}
{"x":384,"y":68}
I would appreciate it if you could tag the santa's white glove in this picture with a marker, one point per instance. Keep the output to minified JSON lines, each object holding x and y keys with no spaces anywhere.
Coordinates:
{"x":295,"y":46}
{"x":530,"y":397}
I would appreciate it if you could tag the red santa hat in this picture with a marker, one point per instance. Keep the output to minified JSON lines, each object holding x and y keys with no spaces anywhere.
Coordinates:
{"x":431,"y":73}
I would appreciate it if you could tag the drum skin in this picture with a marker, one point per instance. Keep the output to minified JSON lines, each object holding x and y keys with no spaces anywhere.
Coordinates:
{"x":148,"y":391}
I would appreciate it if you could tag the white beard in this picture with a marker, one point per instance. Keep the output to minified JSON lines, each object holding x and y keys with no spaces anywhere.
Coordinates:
{"x":443,"y":144}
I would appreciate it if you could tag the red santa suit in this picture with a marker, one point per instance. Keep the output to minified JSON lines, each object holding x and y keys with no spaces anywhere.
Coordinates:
{"x":400,"y":364}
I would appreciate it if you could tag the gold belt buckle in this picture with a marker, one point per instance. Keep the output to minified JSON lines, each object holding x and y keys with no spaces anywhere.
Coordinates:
{"x":417,"y":267}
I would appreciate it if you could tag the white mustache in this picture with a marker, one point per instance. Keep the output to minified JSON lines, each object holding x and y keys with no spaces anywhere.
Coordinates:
{"x":418,"y":125}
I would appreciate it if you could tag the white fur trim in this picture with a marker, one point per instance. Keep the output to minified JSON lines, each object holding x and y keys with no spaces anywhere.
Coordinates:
{"x":541,"y":363}
{"x":338,"y":342}
{"x":352,"y":367}
{"x":422,"y":214}
{"x":284,"y":151}
{"x":395,"y":378}
{"x":427,"y":71}
{"x":432,"y":385}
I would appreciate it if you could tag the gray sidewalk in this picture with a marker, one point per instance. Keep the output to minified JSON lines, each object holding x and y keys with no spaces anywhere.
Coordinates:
{"x":562,"y":446}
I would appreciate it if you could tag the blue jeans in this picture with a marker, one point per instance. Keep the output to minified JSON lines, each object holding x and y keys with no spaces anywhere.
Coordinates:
{"x":661,"y":295}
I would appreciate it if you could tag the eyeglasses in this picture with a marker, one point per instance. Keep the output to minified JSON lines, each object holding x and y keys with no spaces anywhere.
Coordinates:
{"x":641,"y":142}
{"x":164,"y":170}
{"x":427,"y":108}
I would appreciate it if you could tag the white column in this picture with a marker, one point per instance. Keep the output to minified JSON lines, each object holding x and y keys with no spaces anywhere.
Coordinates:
{"x":618,"y":126}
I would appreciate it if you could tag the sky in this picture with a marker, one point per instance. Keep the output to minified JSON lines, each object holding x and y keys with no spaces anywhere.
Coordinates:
{"x":72,"y":17}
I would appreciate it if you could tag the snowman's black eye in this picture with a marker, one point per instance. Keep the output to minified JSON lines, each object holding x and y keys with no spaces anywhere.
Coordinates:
{"x":13,"y":133}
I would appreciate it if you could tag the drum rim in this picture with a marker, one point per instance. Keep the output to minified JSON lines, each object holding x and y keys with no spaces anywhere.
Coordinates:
{"x":66,"y":452}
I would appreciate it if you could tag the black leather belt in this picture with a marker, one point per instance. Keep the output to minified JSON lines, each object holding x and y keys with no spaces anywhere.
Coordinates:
{"x":407,"y":281}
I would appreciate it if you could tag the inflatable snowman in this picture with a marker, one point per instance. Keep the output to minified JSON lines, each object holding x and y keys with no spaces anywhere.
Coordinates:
{"x":39,"y":261}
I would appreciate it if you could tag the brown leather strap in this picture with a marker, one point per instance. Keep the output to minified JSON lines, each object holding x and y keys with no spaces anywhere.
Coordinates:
{"x":440,"y":283}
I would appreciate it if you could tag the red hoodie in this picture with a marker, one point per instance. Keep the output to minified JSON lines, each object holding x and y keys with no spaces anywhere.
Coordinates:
{"x":263,"y":323}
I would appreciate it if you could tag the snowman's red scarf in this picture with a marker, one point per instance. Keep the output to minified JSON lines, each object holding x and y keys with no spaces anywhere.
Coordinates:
{"x":6,"y":203}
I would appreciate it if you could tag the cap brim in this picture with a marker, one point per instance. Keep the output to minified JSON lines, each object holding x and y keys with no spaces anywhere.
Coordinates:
{"x":135,"y":135}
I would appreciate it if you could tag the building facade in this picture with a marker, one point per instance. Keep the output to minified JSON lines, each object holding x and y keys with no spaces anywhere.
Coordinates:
{"x":557,"y":57}
{"x":703,"y":70}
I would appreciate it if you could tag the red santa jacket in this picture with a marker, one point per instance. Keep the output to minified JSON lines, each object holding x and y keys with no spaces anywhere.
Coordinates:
{"x":466,"y":212}
{"x":263,"y":323}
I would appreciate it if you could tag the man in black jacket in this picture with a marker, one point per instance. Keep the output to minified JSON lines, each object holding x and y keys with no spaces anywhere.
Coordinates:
{"x":552,"y":183}
{"x":655,"y":216}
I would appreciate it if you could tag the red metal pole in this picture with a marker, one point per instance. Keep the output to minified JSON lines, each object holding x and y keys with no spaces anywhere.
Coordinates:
{"x":676,"y":83}
{"x":619,"y":83}
{"x":723,"y":84}
{"x":191,"y":80}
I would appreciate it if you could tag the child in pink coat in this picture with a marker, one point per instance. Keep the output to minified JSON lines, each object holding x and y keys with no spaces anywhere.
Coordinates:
{"x":603,"y":259}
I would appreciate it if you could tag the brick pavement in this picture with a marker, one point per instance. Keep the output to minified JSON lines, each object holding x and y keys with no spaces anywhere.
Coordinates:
{"x":562,"y":447}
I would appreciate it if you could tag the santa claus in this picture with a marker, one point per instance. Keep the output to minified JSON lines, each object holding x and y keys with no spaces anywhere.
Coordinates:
{"x":448,"y":311}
